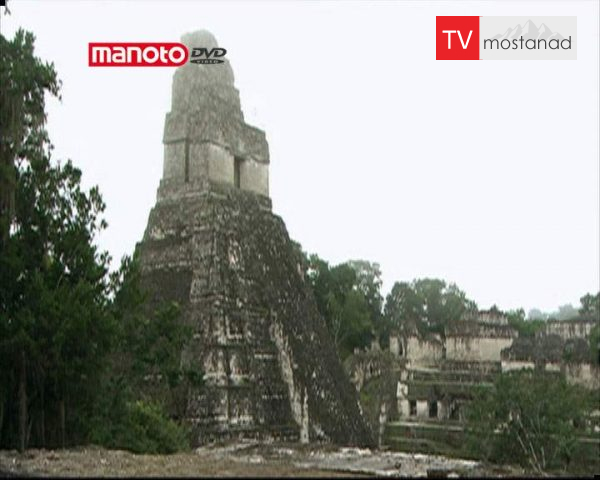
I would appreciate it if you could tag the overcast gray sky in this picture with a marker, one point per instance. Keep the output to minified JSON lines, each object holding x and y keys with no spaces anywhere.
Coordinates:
{"x":481,"y":173}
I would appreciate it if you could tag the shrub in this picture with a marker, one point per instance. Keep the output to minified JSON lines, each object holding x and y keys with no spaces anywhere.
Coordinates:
{"x":143,"y":427}
{"x":529,"y":418}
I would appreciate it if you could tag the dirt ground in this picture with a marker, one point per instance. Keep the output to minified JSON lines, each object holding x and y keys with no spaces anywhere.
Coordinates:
{"x":239,"y":459}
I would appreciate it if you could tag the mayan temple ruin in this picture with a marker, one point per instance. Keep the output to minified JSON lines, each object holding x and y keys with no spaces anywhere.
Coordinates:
{"x":420,"y":387}
{"x":213,"y":244}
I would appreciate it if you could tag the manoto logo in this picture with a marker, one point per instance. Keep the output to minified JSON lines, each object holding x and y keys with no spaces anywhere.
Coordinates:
{"x":506,"y":38}
{"x":137,"y":54}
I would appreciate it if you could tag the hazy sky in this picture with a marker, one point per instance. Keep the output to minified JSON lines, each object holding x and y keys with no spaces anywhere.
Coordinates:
{"x":482,"y":173}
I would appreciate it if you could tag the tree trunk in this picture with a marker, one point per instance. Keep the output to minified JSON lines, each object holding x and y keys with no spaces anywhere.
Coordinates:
{"x":43,"y":418}
{"x":2,"y":401}
{"x":7,"y":197}
{"x":62,"y":422}
{"x":22,"y":402}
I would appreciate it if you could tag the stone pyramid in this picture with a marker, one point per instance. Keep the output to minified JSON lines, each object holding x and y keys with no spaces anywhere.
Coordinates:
{"x":213,"y":244}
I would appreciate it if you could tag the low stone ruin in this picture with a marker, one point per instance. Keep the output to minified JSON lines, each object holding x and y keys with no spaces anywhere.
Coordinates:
{"x":424,"y":382}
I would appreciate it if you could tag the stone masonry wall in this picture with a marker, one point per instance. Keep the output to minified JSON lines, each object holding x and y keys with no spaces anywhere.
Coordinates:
{"x":270,"y":365}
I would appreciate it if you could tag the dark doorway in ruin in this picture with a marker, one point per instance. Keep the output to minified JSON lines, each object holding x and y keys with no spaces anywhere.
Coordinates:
{"x":454,"y":411}
{"x":433,"y":409}
{"x":237,"y":165}
{"x":412,"y":404}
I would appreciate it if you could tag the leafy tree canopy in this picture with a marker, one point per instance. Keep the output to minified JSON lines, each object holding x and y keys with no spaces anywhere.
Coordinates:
{"x":426,"y":306}
{"x":348,"y":298}
{"x":532,"y":418}
{"x":590,"y":305}
{"x":24,"y":82}
{"x":75,"y":342}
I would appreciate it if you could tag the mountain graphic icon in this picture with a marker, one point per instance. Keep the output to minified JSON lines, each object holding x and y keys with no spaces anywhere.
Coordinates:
{"x":529,"y":32}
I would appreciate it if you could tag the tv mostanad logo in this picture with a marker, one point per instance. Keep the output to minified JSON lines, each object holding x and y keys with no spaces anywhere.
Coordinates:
{"x":507,"y":38}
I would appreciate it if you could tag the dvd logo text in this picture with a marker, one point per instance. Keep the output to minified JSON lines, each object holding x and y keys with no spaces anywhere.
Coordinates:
{"x":137,"y":54}
{"x":212,"y":55}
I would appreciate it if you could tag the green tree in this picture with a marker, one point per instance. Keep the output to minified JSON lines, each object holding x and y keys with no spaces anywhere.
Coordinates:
{"x":369,"y":283}
{"x":426,"y":306}
{"x":83,"y":336}
{"x":529,"y":418}
{"x":142,"y":426}
{"x":75,"y":342}
{"x":527,"y":327}
{"x":341,"y":299}
{"x":148,"y":356}
{"x":54,"y":293}
{"x":52,"y":275}
{"x":404,"y":309}
{"x":24,"y":81}
{"x":590,"y":305}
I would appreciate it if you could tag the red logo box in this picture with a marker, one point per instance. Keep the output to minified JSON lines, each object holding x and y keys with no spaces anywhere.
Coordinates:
{"x":457,"y":38}
{"x":137,"y":54}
